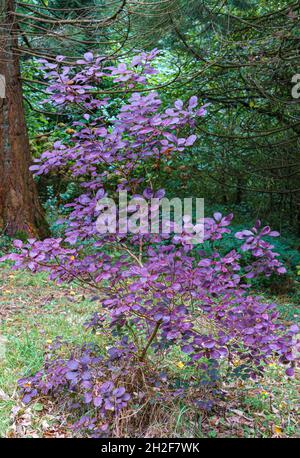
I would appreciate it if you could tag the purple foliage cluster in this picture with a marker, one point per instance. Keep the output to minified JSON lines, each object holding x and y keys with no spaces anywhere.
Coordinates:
{"x":168,"y":291}
{"x":96,"y":389}
{"x":85,"y":379}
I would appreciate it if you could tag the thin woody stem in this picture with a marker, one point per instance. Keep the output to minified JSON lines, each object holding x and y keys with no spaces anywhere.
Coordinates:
{"x":152,"y":337}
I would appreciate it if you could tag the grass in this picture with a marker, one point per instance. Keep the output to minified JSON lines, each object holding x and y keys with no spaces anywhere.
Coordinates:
{"x":33,"y":311}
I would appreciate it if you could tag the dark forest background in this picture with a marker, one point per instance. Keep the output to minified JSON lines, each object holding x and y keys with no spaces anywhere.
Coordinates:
{"x":241,"y":57}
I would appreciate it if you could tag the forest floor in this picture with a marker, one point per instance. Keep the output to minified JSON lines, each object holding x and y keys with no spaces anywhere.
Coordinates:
{"x":33,"y":311}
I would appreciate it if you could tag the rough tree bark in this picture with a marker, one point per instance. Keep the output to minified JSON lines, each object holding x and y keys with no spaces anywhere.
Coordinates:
{"x":20,"y":210}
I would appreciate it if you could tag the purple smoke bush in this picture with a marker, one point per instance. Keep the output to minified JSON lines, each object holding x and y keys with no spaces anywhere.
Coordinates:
{"x":168,"y":291}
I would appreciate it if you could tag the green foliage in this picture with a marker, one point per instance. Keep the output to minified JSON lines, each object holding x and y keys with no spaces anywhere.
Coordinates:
{"x":5,"y":244}
{"x":246,"y":158}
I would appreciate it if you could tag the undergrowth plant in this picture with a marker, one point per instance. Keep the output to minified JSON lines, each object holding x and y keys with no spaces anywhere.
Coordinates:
{"x":159,"y":293}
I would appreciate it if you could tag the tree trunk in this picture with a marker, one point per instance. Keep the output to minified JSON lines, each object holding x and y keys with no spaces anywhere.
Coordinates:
{"x":20,"y":210}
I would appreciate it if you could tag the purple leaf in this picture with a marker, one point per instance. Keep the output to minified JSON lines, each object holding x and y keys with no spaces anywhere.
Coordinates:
{"x":89,"y":56}
{"x":290,"y":372}
{"x":191,"y":140}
